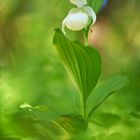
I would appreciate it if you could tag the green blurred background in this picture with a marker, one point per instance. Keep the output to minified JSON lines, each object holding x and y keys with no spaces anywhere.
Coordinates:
{"x":30,"y":70}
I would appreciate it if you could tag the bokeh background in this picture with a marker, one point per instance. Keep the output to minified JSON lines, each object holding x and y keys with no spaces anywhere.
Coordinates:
{"x":30,"y":71}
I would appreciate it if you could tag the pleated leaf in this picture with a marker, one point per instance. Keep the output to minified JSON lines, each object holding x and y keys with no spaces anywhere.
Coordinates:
{"x":95,"y":4}
{"x":73,"y":124}
{"x":83,"y":63}
{"x":114,"y":84}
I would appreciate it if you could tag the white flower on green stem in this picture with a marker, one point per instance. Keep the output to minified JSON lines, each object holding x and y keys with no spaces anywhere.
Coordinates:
{"x":78,"y":18}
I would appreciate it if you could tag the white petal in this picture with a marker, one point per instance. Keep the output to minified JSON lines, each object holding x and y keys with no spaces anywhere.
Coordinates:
{"x":63,"y":25}
{"x":90,"y":13}
{"x":73,"y":10}
{"x":76,"y":20}
{"x":79,"y":3}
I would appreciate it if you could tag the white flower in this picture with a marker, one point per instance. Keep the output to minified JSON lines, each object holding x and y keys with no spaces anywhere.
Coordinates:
{"x":79,"y":3}
{"x":78,"y":18}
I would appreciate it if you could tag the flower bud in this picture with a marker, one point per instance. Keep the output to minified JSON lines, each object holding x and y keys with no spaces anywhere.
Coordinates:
{"x":79,"y":3}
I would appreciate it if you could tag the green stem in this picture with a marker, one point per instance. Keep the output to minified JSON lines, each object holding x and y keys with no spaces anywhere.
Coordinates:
{"x":83,"y":99}
{"x":85,"y":37}
{"x":86,"y":40}
{"x":83,"y":107}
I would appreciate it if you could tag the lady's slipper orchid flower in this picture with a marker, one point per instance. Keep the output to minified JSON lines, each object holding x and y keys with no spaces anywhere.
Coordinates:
{"x":78,"y":18}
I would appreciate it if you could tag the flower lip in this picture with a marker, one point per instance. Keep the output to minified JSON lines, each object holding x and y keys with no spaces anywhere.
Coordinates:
{"x":77,"y":21}
{"x":79,"y":3}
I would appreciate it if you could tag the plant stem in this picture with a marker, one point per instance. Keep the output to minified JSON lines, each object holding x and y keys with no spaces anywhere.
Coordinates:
{"x":86,"y":40}
{"x":83,"y":99}
{"x":83,"y":107}
{"x":85,"y":37}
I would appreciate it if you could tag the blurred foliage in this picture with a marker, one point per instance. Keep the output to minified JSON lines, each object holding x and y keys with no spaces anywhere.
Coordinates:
{"x":30,"y":71}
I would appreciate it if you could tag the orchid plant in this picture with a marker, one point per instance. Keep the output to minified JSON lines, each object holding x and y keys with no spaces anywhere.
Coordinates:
{"x":83,"y":63}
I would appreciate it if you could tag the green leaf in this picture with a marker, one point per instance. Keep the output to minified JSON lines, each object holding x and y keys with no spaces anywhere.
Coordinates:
{"x":117,"y":136}
{"x":106,"y":120}
{"x":83,"y":63}
{"x":95,"y":4}
{"x":114,"y":84}
{"x":74,"y":124}
{"x":12,"y":138}
{"x":41,"y":112}
{"x":82,"y":136}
